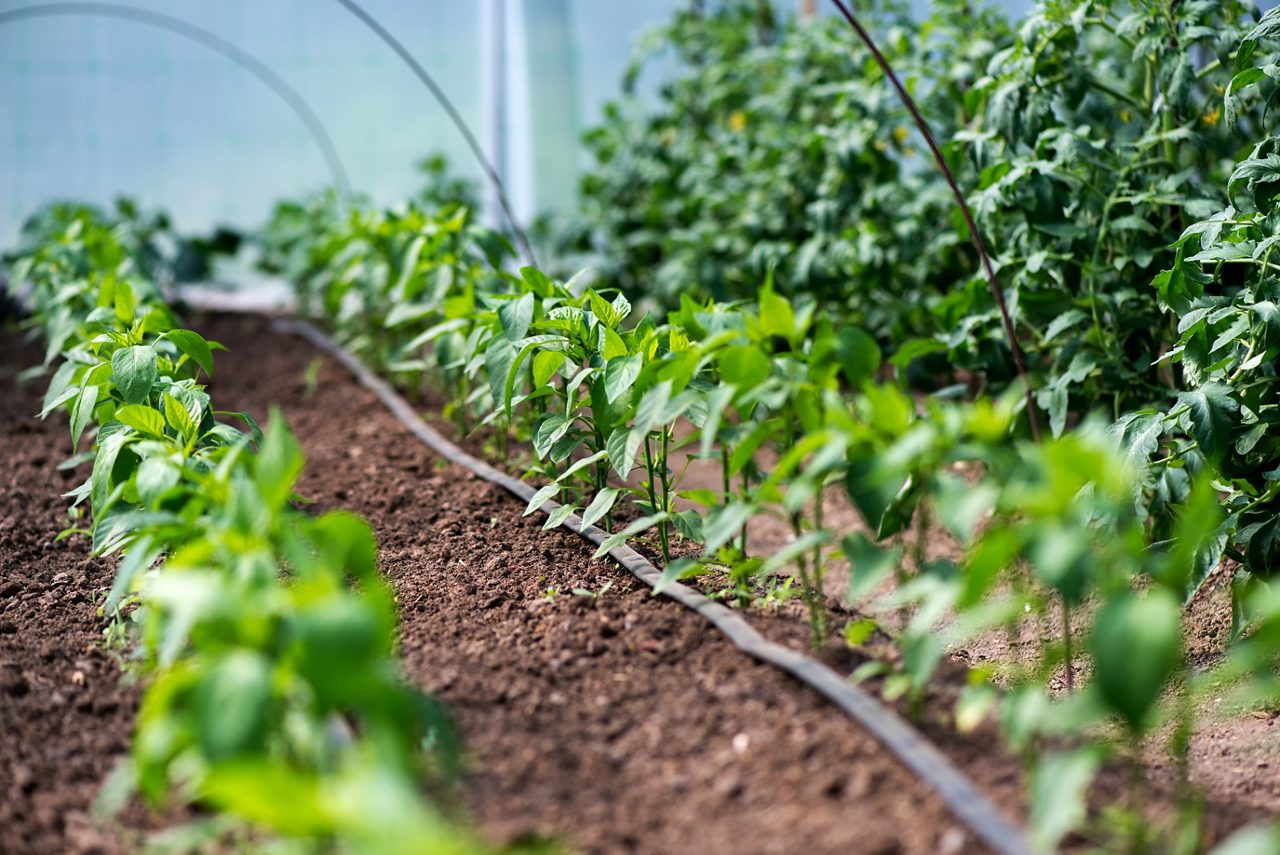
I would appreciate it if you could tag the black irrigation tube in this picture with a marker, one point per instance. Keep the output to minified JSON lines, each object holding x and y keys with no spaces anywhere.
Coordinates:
{"x":961,"y":795}
{"x":213,"y":42}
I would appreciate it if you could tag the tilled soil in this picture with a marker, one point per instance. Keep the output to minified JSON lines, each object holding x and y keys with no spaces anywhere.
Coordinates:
{"x":65,"y":712}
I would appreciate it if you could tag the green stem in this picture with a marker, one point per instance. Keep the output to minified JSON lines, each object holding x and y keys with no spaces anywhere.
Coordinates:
{"x":1067,"y":654}
{"x":653,"y":500}
{"x":817,"y":621}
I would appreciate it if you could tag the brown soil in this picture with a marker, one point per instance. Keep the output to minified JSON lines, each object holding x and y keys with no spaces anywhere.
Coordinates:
{"x":64,"y":710}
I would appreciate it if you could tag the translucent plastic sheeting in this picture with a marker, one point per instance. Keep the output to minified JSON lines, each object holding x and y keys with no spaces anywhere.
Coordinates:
{"x":91,"y":107}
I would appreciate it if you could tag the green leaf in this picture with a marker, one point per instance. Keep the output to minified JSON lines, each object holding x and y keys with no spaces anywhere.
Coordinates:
{"x":156,"y":476}
{"x":499,"y":357}
{"x":1139,"y":435}
{"x":142,"y":418}
{"x":962,"y":506}
{"x":1261,"y":541}
{"x":1062,"y":323}
{"x":603,"y":310}
{"x":600,"y":505}
{"x":622,"y":306}
{"x":614,"y":346}
{"x":548,"y":432}
{"x":677,"y":570}
{"x":623,"y":445}
{"x":616,"y":540}
{"x":1253,"y":840}
{"x":104,"y":465}
{"x":579,"y":465}
{"x":405,"y":313}
{"x":178,"y":417}
{"x":1199,"y":539}
{"x":1059,"y":794}
{"x":1062,"y":557}
{"x":1137,"y":646}
{"x":859,"y":355}
{"x":1209,"y":418}
{"x":724,"y":524}
{"x":912,"y":350}
{"x":134,"y":370}
{"x":557,"y":517}
{"x":541,"y":497}
{"x":194,"y":346}
{"x":869,"y":564}
{"x":61,"y":389}
{"x":652,"y":406}
{"x":545,"y":365}
{"x":81,"y":411}
{"x":743,"y":366}
{"x":1054,"y":400}
{"x":279,"y":461}
{"x":776,"y":315}
{"x":141,"y":555}
{"x":717,"y":404}
{"x":270,"y":794}
{"x":620,"y":375}
{"x":538,"y":282}
{"x":232,"y":704}
{"x":516,"y":316}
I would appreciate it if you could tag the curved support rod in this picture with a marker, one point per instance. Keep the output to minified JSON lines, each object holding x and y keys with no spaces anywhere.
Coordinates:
{"x":974,"y":234}
{"x":491,"y":173}
{"x":214,"y":43}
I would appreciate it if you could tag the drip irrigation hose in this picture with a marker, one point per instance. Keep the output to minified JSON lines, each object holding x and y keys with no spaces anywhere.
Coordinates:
{"x":965,"y":801}
{"x":976,"y":236}
{"x":490,"y":172}
{"x":213,"y":42}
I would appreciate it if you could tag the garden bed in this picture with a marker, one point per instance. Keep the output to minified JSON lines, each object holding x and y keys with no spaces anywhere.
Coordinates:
{"x":619,"y":723}
{"x":615,"y":722}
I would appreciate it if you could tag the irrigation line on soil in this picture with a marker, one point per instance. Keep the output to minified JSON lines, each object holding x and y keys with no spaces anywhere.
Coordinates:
{"x":215,"y":43}
{"x":909,"y":102}
{"x":919,"y":755}
{"x":490,"y":172}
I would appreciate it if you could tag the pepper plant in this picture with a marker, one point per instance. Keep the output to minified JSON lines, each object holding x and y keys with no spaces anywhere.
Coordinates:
{"x":263,"y":632}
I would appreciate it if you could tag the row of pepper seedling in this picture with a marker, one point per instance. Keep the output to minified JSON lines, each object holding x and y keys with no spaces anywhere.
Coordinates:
{"x":265,"y":635}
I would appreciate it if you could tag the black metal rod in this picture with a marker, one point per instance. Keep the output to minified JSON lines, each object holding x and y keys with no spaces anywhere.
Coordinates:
{"x":1009,"y":332}
{"x":213,"y":42}
{"x":491,"y":173}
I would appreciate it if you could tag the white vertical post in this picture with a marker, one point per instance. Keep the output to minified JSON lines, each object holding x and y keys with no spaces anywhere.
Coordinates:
{"x":493,"y":95}
{"x":522,"y":186}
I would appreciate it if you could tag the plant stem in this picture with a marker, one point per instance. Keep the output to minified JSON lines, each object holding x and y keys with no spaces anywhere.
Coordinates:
{"x":818,"y":571}
{"x":664,"y":472}
{"x":817,"y":618}
{"x":1067,"y":655}
{"x":653,"y":500}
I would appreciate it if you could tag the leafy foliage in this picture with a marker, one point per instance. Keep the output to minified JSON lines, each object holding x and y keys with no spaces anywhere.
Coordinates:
{"x":777,"y":147}
{"x":264,"y":632}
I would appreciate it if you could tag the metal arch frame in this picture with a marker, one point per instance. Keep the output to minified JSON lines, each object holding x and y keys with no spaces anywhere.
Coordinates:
{"x":1011,"y":335}
{"x":216,"y":43}
{"x":490,"y":172}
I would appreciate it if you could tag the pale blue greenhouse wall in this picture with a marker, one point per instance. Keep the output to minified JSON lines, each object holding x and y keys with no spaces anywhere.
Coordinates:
{"x":91,"y":108}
